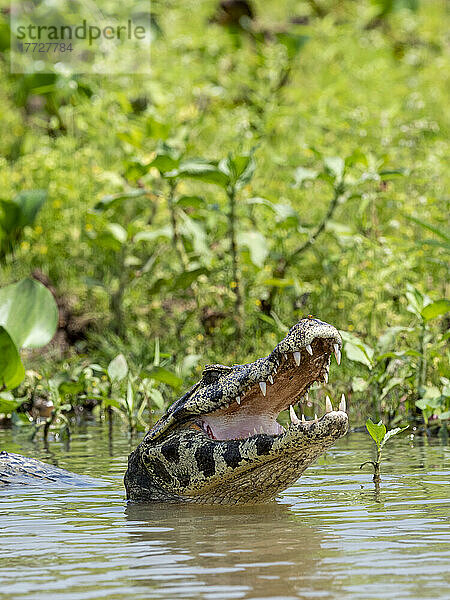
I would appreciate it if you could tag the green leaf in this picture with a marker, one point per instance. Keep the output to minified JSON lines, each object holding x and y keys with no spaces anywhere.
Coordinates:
{"x":356,"y":350}
{"x":257,"y":245}
{"x":29,"y":313}
{"x":130,"y":396}
{"x":167,"y":158}
{"x":201,"y":170}
{"x":357,"y":354}
{"x":393,"y":382}
{"x":118,"y":232}
{"x":194,"y":231}
{"x":157,"y":355}
{"x":377,"y":431}
{"x":190,"y":361}
{"x":293,"y":42}
{"x":359,"y":384}
{"x":71,"y":387}
{"x":445,"y":235}
{"x":301,"y":174}
{"x":190,"y":202}
{"x":435,"y":309}
{"x":113,"y":403}
{"x":415,"y":302}
{"x":279,"y":283}
{"x":400,"y":354}
{"x":422,"y":403}
{"x":118,"y":368}
{"x":29,"y":204}
{"x":283,"y":212}
{"x":391,"y":433}
{"x":335,"y":165}
{"x":113,"y":199}
{"x":387,"y":339}
{"x":186,"y":279}
{"x":387,"y":174}
{"x":12,"y":372}
{"x":158,"y":285}
{"x":242,"y":169}
{"x":431,"y":392}
{"x":157,"y":398}
{"x":165,"y":376}
{"x":16,"y":214}
{"x":153,"y":234}
{"x":9,"y":217}
{"x":8,"y":403}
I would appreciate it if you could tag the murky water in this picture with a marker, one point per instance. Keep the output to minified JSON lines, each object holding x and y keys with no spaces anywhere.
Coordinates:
{"x":329,"y":536}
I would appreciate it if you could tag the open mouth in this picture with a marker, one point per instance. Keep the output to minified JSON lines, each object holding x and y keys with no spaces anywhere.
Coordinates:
{"x":288,"y":377}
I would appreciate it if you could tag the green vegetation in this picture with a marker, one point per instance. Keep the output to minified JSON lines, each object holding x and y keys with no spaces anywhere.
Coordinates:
{"x":28,"y":319}
{"x":276,"y":168}
{"x":380,"y":436}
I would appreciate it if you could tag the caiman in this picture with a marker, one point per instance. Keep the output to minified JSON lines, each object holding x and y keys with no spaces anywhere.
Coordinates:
{"x":221,"y":442}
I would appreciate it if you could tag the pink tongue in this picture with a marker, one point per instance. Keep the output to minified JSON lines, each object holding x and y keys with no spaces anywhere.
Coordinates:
{"x":224,"y":428}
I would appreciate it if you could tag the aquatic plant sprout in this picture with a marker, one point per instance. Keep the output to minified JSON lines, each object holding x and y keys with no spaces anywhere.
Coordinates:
{"x":380,"y":436}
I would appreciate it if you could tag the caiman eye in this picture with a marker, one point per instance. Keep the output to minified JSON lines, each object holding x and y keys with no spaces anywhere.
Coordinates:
{"x":211,"y":373}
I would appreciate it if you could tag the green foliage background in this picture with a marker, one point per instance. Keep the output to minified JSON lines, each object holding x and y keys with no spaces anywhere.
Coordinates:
{"x":369,"y":85}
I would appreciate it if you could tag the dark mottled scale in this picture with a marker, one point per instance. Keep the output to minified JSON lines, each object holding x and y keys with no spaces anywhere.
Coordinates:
{"x":264,"y":444}
{"x":159,"y":470}
{"x":171,"y":450}
{"x":184,"y":478}
{"x":232,"y":455}
{"x":204,"y":456}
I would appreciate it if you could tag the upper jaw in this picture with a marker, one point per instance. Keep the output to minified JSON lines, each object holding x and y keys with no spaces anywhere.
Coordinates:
{"x":304,"y":342}
{"x":273,"y":384}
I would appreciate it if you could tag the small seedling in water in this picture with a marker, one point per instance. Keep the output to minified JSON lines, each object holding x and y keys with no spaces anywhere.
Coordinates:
{"x":380,"y":436}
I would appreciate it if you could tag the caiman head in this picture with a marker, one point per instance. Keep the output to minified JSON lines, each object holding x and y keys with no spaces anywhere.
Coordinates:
{"x":221,"y":442}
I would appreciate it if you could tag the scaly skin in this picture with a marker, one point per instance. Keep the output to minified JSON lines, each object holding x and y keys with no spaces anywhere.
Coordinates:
{"x":200,"y":451}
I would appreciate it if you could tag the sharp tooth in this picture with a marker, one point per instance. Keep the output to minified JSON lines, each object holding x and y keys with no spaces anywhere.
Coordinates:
{"x":309,"y":349}
{"x":271,"y":379}
{"x":263,"y":386}
{"x":343,"y":404}
{"x":261,"y":430}
{"x":325,"y":377}
{"x":315,"y":416}
{"x":285,"y":356}
{"x":303,"y":418}
{"x":294,"y":418}
{"x":238,"y":399}
{"x":254,"y":431}
{"x":337,"y":353}
{"x":297,"y":358}
{"x":328,"y":405}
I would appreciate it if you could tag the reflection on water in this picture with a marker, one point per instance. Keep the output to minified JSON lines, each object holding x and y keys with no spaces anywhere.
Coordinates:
{"x":329,"y":536}
{"x":265,"y":551}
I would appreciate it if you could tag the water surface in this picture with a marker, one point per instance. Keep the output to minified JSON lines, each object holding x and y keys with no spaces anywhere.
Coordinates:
{"x":331,"y":535}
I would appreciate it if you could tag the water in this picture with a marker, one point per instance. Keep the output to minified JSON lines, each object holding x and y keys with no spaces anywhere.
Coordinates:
{"x":329,"y":536}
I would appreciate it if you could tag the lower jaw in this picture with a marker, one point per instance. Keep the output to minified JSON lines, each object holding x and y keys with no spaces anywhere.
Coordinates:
{"x":243,"y":429}
{"x":246,"y":428}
